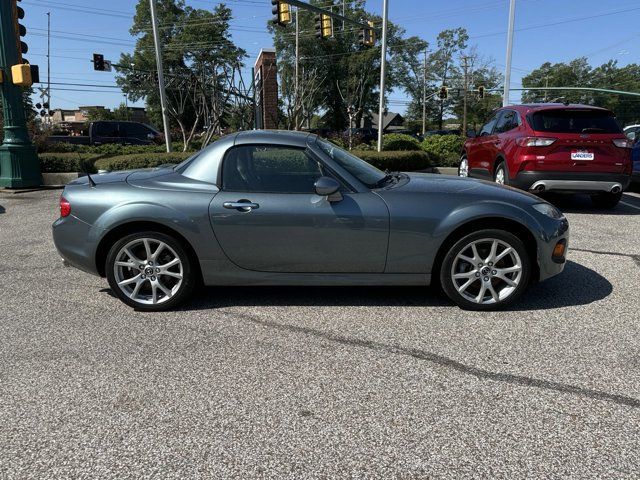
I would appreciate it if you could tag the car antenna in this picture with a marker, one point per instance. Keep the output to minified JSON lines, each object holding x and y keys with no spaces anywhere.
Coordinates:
{"x":86,"y":172}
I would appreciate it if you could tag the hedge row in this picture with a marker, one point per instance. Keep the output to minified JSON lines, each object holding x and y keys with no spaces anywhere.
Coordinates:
{"x":403,"y":161}
{"x":67,"y":162}
{"x":140,"y":160}
{"x":444,"y":150}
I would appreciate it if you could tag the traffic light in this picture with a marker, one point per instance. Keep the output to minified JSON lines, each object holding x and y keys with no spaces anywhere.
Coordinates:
{"x":21,"y":31}
{"x":443,"y":94}
{"x":98,"y":62}
{"x":368,"y":35}
{"x":281,"y":12}
{"x":480,"y":92}
{"x":324,"y":26}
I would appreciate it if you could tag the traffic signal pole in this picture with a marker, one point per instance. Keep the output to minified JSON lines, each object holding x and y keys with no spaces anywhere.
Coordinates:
{"x":507,"y":68}
{"x":19,"y":165}
{"x":163,"y":94}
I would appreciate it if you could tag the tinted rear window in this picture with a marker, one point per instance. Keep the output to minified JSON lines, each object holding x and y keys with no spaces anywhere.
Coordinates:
{"x":575,"y":121}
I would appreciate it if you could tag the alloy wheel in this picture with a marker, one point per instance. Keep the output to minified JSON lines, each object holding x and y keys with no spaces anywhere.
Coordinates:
{"x":148,"y":271}
{"x":486,"y":271}
{"x":463,"y":170}
{"x":500,"y":176}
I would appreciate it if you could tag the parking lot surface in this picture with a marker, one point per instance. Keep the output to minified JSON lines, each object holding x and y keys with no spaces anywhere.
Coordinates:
{"x":320,"y":382}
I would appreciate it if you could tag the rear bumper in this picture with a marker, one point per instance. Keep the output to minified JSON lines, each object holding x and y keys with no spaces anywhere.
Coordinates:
{"x":571,"y":182}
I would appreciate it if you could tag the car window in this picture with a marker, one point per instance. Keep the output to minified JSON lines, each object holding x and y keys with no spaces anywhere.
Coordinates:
{"x":363,"y":171}
{"x":107,"y":129}
{"x":487,"y":128}
{"x":134,"y":130}
{"x":575,"y":121}
{"x":265,"y":168}
{"x":508,"y":121}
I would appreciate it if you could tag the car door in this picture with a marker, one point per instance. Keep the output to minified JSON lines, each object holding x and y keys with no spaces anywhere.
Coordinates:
{"x":135,"y":133}
{"x":106,"y":132}
{"x":285,"y":226}
{"x":483,"y":154}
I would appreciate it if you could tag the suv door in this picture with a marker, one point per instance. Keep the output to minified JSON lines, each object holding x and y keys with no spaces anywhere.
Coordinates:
{"x":505,"y":133}
{"x":482,"y":155}
{"x":135,"y":133}
{"x":288,"y":228}
{"x":105,"y":132}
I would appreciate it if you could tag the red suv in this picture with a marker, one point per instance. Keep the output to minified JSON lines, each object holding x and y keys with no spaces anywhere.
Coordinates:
{"x":552,"y":147}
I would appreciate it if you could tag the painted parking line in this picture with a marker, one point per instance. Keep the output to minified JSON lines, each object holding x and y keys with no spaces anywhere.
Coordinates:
{"x":630,"y":205}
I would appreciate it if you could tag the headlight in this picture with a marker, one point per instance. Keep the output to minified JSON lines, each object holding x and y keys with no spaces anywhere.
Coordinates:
{"x":548,"y":210}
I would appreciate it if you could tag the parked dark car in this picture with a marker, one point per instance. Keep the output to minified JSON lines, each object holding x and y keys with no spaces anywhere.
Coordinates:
{"x":430,"y":133}
{"x":635,"y":158}
{"x":552,"y":147}
{"x":103,"y":132}
{"x":289,"y":208}
{"x":366,"y":135}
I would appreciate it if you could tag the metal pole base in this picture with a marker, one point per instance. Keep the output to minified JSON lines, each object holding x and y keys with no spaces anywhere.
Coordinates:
{"x":19,"y":166}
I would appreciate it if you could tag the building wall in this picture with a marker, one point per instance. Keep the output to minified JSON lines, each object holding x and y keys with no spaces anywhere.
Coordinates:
{"x":267,"y":94}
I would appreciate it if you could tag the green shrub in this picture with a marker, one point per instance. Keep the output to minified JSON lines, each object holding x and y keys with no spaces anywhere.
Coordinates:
{"x":67,"y":162}
{"x":399,"y":141}
{"x":407,"y":161}
{"x":444,"y":150}
{"x":140,"y":160}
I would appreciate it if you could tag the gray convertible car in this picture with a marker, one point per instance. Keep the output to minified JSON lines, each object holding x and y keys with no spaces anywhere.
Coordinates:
{"x":289,"y":208}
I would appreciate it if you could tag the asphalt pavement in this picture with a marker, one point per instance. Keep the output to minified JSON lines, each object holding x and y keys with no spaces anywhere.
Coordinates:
{"x":320,"y":382}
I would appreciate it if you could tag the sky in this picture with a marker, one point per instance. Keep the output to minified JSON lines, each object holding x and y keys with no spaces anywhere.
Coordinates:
{"x":546,"y":30}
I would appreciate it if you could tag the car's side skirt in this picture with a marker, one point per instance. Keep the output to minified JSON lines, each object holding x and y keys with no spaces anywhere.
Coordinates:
{"x":313,"y":279}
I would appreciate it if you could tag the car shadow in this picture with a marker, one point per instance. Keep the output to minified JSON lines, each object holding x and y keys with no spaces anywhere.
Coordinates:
{"x":577,"y":285}
{"x":570,"y":203}
{"x":2,"y":209}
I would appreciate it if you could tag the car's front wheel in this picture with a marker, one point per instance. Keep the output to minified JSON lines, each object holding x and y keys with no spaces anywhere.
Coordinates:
{"x":150,"y":271}
{"x":606,"y":200}
{"x":485,"y":270}
{"x":501,"y":176}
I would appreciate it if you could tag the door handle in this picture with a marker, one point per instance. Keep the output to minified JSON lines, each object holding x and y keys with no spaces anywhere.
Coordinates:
{"x":243,"y":206}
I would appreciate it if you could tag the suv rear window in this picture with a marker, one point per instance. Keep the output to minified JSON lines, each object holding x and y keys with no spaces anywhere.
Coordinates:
{"x":575,"y":121}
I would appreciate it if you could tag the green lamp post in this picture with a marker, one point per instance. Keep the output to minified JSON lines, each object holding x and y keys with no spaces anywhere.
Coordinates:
{"x":19,"y":165}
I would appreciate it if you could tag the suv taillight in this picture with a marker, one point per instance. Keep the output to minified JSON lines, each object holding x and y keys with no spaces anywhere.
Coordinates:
{"x":623,"y":142}
{"x":65,"y":207}
{"x":535,"y":141}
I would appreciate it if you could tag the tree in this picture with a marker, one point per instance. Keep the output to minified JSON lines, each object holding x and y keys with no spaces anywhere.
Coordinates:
{"x":350,"y":71}
{"x":119,"y":113}
{"x":201,"y":64}
{"x":442,"y":62}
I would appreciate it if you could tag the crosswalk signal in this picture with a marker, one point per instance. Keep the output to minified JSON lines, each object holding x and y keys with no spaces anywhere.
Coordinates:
{"x":281,"y":12}
{"x":324,"y":26}
{"x":98,"y":62}
{"x":480,"y":92}
{"x":368,"y":35}
{"x":443,"y":94}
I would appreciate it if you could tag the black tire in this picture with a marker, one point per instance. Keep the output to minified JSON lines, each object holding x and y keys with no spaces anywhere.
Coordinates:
{"x":189,"y":281}
{"x":606,"y":200}
{"x":461,"y":246}
{"x":502,"y":166}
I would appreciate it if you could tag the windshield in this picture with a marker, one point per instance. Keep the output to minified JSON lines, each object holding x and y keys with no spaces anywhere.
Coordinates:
{"x":366,"y":173}
{"x":575,"y":121}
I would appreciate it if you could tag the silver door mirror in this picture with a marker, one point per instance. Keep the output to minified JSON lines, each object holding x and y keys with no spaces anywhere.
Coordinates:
{"x":328,"y":187}
{"x":631,"y":136}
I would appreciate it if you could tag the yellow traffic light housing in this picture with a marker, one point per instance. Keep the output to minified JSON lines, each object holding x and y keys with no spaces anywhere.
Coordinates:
{"x":21,"y":75}
{"x":324,"y":26}
{"x":368,"y":35}
{"x":481,"y":91}
{"x":281,"y":12}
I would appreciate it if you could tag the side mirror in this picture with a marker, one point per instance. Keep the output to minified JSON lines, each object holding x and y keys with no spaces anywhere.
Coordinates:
{"x":328,"y":187}
{"x":631,"y":136}
{"x":471,"y":133}
{"x":151,"y":136}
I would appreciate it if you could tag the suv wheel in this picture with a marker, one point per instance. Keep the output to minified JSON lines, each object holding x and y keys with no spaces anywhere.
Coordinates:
{"x":606,"y":200}
{"x":485,"y":270}
{"x":463,"y":167}
{"x":150,"y":271}
{"x":501,"y":176}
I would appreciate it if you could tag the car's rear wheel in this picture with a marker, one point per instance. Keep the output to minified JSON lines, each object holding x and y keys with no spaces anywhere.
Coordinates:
{"x":150,"y":271}
{"x":501,"y":176}
{"x":485,"y":270}
{"x":606,"y":200}
{"x":463,"y":167}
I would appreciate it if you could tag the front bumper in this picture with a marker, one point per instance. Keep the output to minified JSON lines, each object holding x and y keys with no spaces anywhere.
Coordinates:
{"x":545,"y":181}
{"x":557,"y":233}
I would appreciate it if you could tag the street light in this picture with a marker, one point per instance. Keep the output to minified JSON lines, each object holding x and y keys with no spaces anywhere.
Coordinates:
{"x":507,"y":68}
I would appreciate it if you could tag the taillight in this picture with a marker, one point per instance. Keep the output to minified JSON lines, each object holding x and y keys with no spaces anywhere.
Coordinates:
{"x":65,"y":207}
{"x":535,"y":141}
{"x":622,"y":142}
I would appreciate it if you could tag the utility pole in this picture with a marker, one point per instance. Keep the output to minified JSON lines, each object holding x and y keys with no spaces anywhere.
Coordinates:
{"x":19,"y":166}
{"x":296,"y":91}
{"x":424,"y":94}
{"x":383,"y":70}
{"x":48,"y":67}
{"x":163,"y":99}
{"x":465,"y":66}
{"x":507,"y":68}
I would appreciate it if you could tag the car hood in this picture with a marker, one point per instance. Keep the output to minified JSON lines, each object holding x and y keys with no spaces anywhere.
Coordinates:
{"x":448,"y":184}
